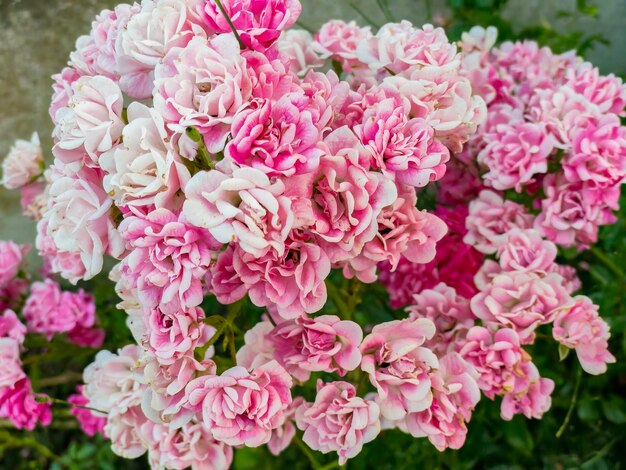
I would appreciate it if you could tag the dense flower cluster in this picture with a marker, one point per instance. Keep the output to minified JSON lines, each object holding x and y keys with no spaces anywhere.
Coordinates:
{"x":212,"y":151}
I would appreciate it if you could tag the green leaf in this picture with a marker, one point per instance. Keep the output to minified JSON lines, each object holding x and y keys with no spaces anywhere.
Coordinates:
{"x":517,"y":435}
{"x":563,"y":352}
{"x":614,"y":409}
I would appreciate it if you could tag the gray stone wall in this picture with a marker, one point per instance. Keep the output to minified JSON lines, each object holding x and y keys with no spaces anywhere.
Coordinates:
{"x":36,"y":37}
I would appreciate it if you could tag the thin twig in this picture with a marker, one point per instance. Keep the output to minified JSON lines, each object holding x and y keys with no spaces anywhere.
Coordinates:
{"x":230,"y":23}
{"x":306,"y":451}
{"x":56,"y":401}
{"x":602,"y":257}
{"x":363,"y":15}
{"x":66,"y":377}
{"x":572,"y":404}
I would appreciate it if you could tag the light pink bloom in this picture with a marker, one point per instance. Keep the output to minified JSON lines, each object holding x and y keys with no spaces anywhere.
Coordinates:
{"x":127,"y":428}
{"x":277,"y":137}
{"x":244,"y":207}
{"x":144,"y":169}
{"x":520,"y":301}
{"x":33,"y":200}
{"x":23,"y":163}
{"x":176,"y":334}
{"x":203,"y":85}
{"x":242,"y":408}
{"x":10,"y":364}
{"x":168,"y":261}
{"x":399,"y":365}
{"x":496,"y":356}
{"x":259,"y":23}
{"x":19,"y":404}
{"x":571,"y":214}
{"x":490,"y":218}
{"x":338,"y":420}
{"x":11,"y":260}
{"x":455,"y":394}
{"x":90,"y":422}
{"x":283,"y":435}
{"x":62,"y":90}
{"x":526,"y":251}
{"x":193,"y":446}
{"x":293,"y":282}
{"x":449,"y":312}
{"x":346,"y":202}
{"x":605,"y":91}
{"x":11,"y":326}
{"x":111,"y":380}
{"x":403,"y":147}
{"x":297,"y":46}
{"x":580,"y":327}
{"x":223,"y":281}
{"x":148,"y":36}
{"x":530,"y":395}
{"x":515,"y":150}
{"x":91,"y":123}
{"x":324,"y":343}
{"x":77,"y":230}
{"x":339,"y":40}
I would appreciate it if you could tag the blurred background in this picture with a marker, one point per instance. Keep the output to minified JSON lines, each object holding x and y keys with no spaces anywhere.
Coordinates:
{"x":36,"y":38}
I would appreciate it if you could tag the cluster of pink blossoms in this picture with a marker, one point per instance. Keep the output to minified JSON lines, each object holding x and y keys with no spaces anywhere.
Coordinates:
{"x":207,"y":148}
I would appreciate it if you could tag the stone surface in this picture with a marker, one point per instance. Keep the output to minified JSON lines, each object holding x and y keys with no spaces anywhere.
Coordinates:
{"x":36,"y":37}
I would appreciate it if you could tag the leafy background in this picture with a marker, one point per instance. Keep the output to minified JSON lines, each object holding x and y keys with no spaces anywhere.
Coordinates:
{"x":586,"y":427}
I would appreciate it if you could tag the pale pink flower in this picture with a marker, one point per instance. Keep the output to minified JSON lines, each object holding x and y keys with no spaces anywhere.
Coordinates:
{"x":530,"y":395}
{"x":520,"y":301}
{"x":33,"y":200}
{"x":346,"y":202}
{"x":339,"y":40}
{"x":580,"y":327}
{"x":605,"y":91}
{"x":127,"y":428}
{"x":168,"y":261}
{"x":176,"y":334}
{"x":91,"y":123}
{"x":90,"y":422}
{"x":338,"y":420}
{"x":11,"y":260}
{"x":449,"y":312}
{"x":193,"y":446}
{"x":277,"y":137}
{"x":12,"y":327}
{"x":490,"y":219}
{"x":148,"y":36}
{"x":400,"y":366}
{"x":258,"y":23}
{"x":324,"y":343}
{"x":403,"y":147}
{"x":496,"y":356}
{"x":62,"y":90}
{"x":516,"y":151}
{"x":144,"y":169}
{"x":10,"y":364}
{"x":241,"y":407}
{"x":23,"y":164}
{"x":111,"y":380}
{"x":222,"y":279}
{"x":525,"y":250}
{"x":293,"y":282}
{"x":297,"y":46}
{"x":203,"y":85}
{"x":283,"y":435}
{"x":244,"y":207}
{"x":455,"y":394}
{"x":258,"y":348}
{"x":19,"y":405}
{"x":571,"y":214}
{"x":77,"y":230}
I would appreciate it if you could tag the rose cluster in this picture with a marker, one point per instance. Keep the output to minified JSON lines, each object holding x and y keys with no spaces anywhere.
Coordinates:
{"x":221,"y":157}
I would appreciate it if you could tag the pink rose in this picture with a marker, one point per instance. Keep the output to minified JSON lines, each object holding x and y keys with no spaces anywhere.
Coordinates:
{"x":242,"y":408}
{"x":283,"y":435}
{"x":62,"y":90}
{"x":90,"y":422}
{"x":339,"y":40}
{"x":19,"y":405}
{"x":223,"y":281}
{"x":23,"y":164}
{"x":12,"y":327}
{"x":244,"y":207}
{"x":11,"y":261}
{"x":91,"y":123}
{"x":520,"y":301}
{"x":293,"y":282}
{"x":10,"y":364}
{"x":258,"y":348}
{"x":168,"y":261}
{"x":490,"y":218}
{"x":338,"y":420}
{"x":325,"y":343}
{"x":530,"y":396}
{"x":259,"y":23}
{"x":297,"y":46}
{"x":130,"y":432}
{"x":399,"y":365}
{"x":277,"y":137}
{"x":193,"y":446}
{"x":605,"y":91}
{"x":580,"y":327}
{"x":526,"y":251}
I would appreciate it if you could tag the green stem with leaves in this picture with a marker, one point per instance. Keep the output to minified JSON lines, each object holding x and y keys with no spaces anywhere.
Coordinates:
{"x":572,"y":405}
{"x":233,"y":312}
